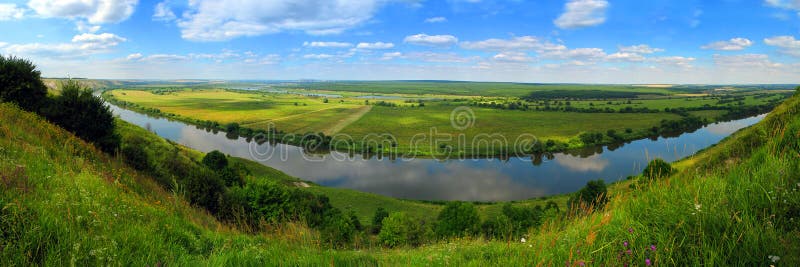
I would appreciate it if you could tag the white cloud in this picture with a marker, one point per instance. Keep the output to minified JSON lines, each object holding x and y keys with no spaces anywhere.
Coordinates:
{"x":11,"y":11}
{"x":391,"y":55}
{"x":134,"y":56}
{"x":81,"y":45}
{"x":675,"y":61}
{"x":787,"y":44}
{"x":733,"y":44}
{"x":639,"y":49}
{"x":745,"y":61}
{"x":162,"y":58}
{"x":439,"y":57}
{"x":516,"y":43}
{"x":517,"y":57}
{"x":625,"y":56}
{"x":582,"y":13}
{"x":327,"y":44}
{"x":436,"y":20}
{"x":318,"y":56}
{"x":82,"y":26}
{"x":431,"y":40}
{"x":376,"y":45}
{"x":95,"y":11}
{"x":217,"y":20}
{"x":589,"y":54}
{"x":162,"y":12}
{"x":785,"y":4}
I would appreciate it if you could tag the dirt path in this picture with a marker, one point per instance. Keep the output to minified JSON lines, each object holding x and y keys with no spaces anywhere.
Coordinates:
{"x":347,"y":120}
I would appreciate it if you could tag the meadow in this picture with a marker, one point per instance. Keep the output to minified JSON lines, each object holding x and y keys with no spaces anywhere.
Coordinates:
{"x":360,"y":119}
{"x":65,"y":202}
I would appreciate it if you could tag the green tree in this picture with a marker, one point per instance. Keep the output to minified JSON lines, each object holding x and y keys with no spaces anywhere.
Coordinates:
{"x":84,"y":114}
{"x":399,"y":230}
{"x":377,"y":219}
{"x":593,"y":194}
{"x":215,"y":160}
{"x":657,"y":168}
{"x":458,"y":219}
{"x":21,"y":83}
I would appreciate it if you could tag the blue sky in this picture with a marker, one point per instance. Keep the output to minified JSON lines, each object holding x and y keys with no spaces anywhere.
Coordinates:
{"x":584,"y":41}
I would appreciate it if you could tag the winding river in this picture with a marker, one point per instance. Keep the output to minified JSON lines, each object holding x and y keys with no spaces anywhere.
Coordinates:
{"x":487,"y":179}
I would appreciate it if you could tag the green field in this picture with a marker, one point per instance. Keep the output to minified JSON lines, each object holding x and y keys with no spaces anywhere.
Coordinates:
{"x":64,"y":202}
{"x":406,"y":123}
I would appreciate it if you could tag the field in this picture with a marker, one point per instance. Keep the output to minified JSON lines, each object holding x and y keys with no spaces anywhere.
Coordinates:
{"x":389,"y":117}
{"x":64,"y":202}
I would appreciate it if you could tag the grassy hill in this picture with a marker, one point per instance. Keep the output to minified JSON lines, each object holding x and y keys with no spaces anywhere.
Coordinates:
{"x":63,"y":202}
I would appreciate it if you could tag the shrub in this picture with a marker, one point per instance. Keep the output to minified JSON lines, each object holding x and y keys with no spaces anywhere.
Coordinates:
{"x":593,"y":194}
{"x":21,"y":83}
{"x":400,"y":230}
{"x":498,"y":227}
{"x":457,"y":219}
{"x":377,"y":219}
{"x":204,"y":189}
{"x":657,"y":168}
{"x":338,"y":229}
{"x":136,"y":157}
{"x":522,"y":218}
{"x":215,"y":160}
{"x":84,"y":114}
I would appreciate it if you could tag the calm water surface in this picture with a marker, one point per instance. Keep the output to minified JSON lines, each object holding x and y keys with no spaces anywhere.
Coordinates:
{"x":430,"y":179}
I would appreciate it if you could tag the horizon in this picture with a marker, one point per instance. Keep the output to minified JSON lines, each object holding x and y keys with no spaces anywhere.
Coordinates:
{"x":572,"y":41}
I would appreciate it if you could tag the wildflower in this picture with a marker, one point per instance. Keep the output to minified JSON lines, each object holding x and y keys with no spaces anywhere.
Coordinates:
{"x":523,"y":240}
{"x":653,"y":247}
{"x":625,"y":244}
{"x":630,"y":230}
{"x":697,"y":207}
{"x":581,"y":263}
{"x":629,"y":252}
{"x":774,"y":258}
{"x":647,"y":262}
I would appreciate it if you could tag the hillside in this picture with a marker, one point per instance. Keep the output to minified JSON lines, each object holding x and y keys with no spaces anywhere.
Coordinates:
{"x":63,"y":202}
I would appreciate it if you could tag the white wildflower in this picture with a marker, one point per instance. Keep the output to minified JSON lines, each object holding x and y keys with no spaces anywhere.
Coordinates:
{"x":523,"y":240}
{"x":774,"y":258}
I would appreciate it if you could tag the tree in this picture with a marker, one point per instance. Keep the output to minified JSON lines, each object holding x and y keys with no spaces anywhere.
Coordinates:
{"x":84,"y":114}
{"x":21,"y":83}
{"x":458,"y":219}
{"x":215,"y":160}
{"x":232,"y":128}
{"x":657,"y":168}
{"x":377,"y":220}
{"x":594,"y":194}
{"x":136,"y":157}
{"x":399,"y":230}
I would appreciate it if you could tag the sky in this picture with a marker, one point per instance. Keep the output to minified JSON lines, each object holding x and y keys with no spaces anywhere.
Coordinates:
{"x":543,"y":41}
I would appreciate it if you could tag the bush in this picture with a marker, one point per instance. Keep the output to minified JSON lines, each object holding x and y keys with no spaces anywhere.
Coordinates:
{"x":21,"y":83}
{"x":215,"y":160}
{"x":84,"y":114}
{"x":457,"y":219}
{"x":204,"y":189}
{"x":498,"y":227}
{"x":593,"y":194}
{"x":657,"y":168}
{"x":377,"y":219}
{"x":400,"y":230}
{"x":522,"y":218}
{"x":136,"y":157}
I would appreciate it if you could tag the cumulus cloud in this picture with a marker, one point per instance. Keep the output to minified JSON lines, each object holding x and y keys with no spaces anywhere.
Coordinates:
{"x":162,"y":12}
{"x":327,"y":44}
{"x":639,"y":49}
{"x":391,"y":55}
{"x":217,"y":20}
{"x":436,"y":20}
{"x":625,"y":56}
{"x":582,"y":13}
{"x":95,"y":11}
{"x":431,"y":40}
{"x":674,"y":61}
{"x":745,"y":61}
{"x":134,"y":56}
{"x":516,"y":43}
{"x":589,"y":54}
{"x":81,"y":45}
{"x":439,"y":57}
{"x":11,"y":11}
{"x":376,"y":45}
{"x":787,"y":44}
{"x":785,"y":4}
{"x":513,"y":57}
{"x":733,"y":44}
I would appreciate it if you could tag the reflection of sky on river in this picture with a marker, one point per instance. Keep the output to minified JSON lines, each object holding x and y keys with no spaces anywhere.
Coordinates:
{"x":471,"y":179}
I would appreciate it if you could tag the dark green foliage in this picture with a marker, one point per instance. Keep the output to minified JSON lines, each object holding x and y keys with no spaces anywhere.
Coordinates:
{"x":355,"y":221}
{"x":522,"y":218}
{"x":498,"y":227}
{"x":657,"y":168}
{"x":231,"y":177}
{"x":578,"y":94}
{"x":215,"y":160}
{"x":377,"y":219}
{"x":591,"y":138}
{"x":400,"y":230}
{"x":458,"y":219}
{"x":136,"y":157}
{"x":21,"y":83}
{"x":338,"y":229}
{"x":594,"y":194}
{"x":232,"y":128}
{"x":84,"y":114}
{"x":203,"y":188}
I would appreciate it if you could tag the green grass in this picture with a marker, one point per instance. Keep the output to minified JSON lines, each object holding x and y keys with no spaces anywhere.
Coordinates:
{"x":65,"y":203}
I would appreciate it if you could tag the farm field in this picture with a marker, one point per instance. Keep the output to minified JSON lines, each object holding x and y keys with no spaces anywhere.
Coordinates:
{"x":405,"y":123}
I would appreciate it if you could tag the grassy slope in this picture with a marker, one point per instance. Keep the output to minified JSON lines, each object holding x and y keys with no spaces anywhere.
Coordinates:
{"x":734,"y":204}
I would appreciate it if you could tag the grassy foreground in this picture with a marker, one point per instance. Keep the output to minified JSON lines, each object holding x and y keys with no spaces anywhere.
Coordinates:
{"x":63,"y":202}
